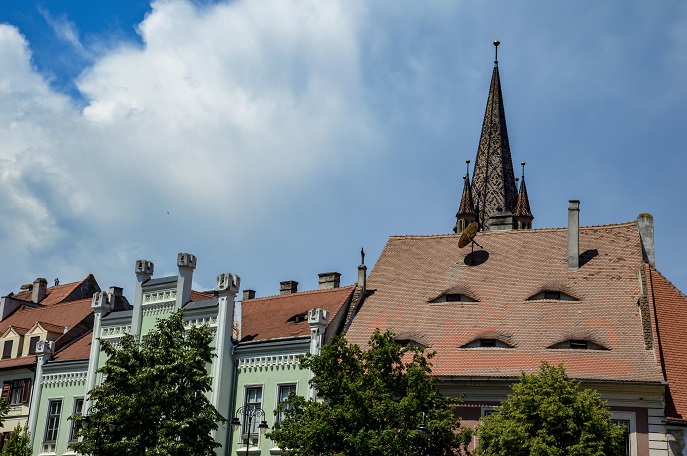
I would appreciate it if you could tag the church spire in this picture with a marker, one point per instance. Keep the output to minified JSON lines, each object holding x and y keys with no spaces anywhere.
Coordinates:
{"x":523,"y":214}
{"x":493,"y":180}
{"x":466,"y":212}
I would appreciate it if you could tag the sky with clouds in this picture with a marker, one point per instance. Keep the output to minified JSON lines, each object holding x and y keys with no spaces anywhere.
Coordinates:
{"x":275,"y":138}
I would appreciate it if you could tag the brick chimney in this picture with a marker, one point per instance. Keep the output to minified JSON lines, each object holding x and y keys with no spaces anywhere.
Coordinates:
{"x":645,"y":226}
{"x":329,"y":280}
{"x":288,"y":287}
{"x":40,"y":290}
{"x":248,"y":294}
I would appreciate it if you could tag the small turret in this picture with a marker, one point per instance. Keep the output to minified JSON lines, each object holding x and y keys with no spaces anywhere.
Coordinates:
{"x":466,"y":212}
{"x":523,"y":214}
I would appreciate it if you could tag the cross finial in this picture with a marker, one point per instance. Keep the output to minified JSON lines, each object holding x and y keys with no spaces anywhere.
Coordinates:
{"x":496,"y":51}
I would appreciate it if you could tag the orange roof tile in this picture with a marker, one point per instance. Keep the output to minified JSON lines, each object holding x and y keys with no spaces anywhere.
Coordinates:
{"x":55,"y":294}
{"x":271,"y":317}
{"x":59,"y":315}
{"x":514,"y":266}
{"x":79,"y":348}
{"x":201,"y":295}
{"x":23,"y":361}
{"x":670,"y":313}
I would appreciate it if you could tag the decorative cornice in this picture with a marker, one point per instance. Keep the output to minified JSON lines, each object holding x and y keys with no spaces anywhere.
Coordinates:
{"x":158,"y":307}
{"x":64,"y":379}
{"x":200,"y":321}
{"x":114,"y":331}
{"x":159,"y":296}
{"x":265,"y":362}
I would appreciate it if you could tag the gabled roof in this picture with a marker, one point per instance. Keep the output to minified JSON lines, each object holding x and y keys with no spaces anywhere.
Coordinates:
{"x":515,"y":265}
{"x":60,"y":293}
{"x":670,"y":313}
{"x":59,"y":315}
{"x":272,"y":317}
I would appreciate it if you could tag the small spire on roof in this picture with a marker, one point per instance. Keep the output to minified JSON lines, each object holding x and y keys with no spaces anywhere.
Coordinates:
{"x":522,"y":209}
{"x":466,"y":212}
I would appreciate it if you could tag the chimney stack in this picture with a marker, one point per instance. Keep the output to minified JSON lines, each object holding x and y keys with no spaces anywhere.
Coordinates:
{"x":186,"y":263}
{"x":574,"y":234}
{"x":288,"y":287}
{"x":248,"y":294}
{"x":329,"y":280}
{"x":40,"y":290}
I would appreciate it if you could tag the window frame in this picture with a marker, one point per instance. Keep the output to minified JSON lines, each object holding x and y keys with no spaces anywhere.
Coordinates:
{"x":632,"y":431}
{"x":52,"y":421}
{"x":279,"y":400}
{"x":32,"y":344}
{"x":8,"y":343}
{"x":244,"y":422}
{"x":72,"y":428}
{"x":17,"y":391}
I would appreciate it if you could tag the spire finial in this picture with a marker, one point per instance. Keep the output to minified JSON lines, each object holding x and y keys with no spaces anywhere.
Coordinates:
{"x":496,"y":51}
{"x":523,"y":170}
{"x":467,"y":165}
{"x":362,"y":255}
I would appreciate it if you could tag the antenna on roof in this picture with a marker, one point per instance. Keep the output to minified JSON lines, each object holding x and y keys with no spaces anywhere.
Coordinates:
{"x":362,"y":255}
{"x":496,"y":51}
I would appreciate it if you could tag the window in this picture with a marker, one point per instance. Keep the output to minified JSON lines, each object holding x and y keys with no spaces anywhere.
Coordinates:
{"x":252,"y":401}
{"x":552,"y":295}
{"x":17,"y":391}
{"x":7,"y":349}
{"x":625,"y":424}
{"x":76,"y":410}
{"x":53,"y":423}
{"x":487,"y":343}
{"x":627,"y":420}
{"x":453,"y":297}
{"x":578,"y":344}
{"x":32,"y":344}
{"x":284,"y":391}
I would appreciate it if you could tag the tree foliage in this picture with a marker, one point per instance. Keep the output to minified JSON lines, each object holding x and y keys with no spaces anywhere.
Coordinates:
{"x":371,"y":403}
{"x":549,"y":415}
{"x":18,"y":443}
{"x":153,"y":395}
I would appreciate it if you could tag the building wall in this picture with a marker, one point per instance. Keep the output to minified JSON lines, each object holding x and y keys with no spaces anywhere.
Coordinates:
{"x":18,"y":413}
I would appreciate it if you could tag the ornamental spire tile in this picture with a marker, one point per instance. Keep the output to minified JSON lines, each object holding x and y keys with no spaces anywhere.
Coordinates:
{"x":466,"y":212}
{"x":522,"y":208}
{"x":493,"y":180}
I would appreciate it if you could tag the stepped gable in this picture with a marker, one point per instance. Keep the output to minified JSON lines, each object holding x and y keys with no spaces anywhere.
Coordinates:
{"x":414,"y":271}
{"x":283,"y":316}
{"x":670,"y":315}
{"x":493,"y":180}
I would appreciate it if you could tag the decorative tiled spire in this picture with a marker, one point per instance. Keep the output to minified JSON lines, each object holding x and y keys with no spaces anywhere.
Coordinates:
{"x":466,"y":212}
{"x":523,"y":214}
{"x":493,"y":181}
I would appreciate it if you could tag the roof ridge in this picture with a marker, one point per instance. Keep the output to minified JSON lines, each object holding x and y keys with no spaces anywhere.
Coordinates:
{"x":653,"y":268}
{"x":502,"y":232}
{"x":301,"y":293}
{"x":52,"y":306}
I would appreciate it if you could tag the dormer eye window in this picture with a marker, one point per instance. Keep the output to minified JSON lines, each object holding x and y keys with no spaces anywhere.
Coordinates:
{"x":487,"y":343}
{"x":453,"y":297}
{"x":552,"y":295}
{"x":298,"y":318}
{"x":578,"y":344}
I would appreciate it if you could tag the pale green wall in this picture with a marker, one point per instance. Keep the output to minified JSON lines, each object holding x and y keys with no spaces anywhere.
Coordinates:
{"x":269,"y":377}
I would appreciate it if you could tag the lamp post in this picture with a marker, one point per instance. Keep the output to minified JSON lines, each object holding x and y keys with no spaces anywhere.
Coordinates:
{"x":424,"y":432}
{"x":86,"y":422}
{"x":250,"y":414}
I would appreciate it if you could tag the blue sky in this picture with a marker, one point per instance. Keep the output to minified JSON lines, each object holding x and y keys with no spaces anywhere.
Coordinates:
{"x":274,"y":138}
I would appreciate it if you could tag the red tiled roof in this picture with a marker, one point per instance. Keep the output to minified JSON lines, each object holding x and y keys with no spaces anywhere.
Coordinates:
{"x":201,"y":295}
{"x":412,"y":270}
{"x":670,"y":313}
{"x":23,"y":361}
{"x":268,"y":318}
{"x":79,"y":348}
{"x":55,"y":294}
{"x":59,"y":315}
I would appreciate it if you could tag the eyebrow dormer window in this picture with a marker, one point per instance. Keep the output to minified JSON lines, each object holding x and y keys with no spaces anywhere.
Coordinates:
{"x":578,"y":344}
{"x":552,"y":295}
{"x":454,"y":297}
{"x":487,"y":343}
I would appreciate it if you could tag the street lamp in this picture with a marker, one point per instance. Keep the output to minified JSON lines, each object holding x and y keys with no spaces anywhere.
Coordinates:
{"x":250,"y":414}
{"x":424,"y":433}
{"x":86,"y":422}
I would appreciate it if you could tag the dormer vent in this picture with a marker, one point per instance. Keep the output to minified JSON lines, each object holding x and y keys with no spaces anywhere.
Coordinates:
{"x":578,"y":344}
{"x":552,"y":295}
{"x":486,"y":343}
{"x":453,"y":297}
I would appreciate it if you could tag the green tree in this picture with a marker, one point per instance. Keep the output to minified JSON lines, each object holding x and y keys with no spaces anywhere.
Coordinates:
{"x":153,"y":399}
{"x":372,"y":403}
{"x":548,"y":414}
{"x":18,"y":443}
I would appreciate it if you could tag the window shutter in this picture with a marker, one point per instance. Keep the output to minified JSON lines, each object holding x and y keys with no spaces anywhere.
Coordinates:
{"x":6,"y":387}
{"x":26,"y":390}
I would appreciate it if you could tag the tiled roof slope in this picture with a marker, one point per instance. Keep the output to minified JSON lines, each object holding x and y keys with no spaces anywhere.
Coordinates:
{"x":56,"y":294}
{"x":670,"y":313}
{"x":22,"y":361}
{"x":269,"y":318}
{"x":78,"y":349}
{"x":59,"y":315}
{"x":413,"y":270}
